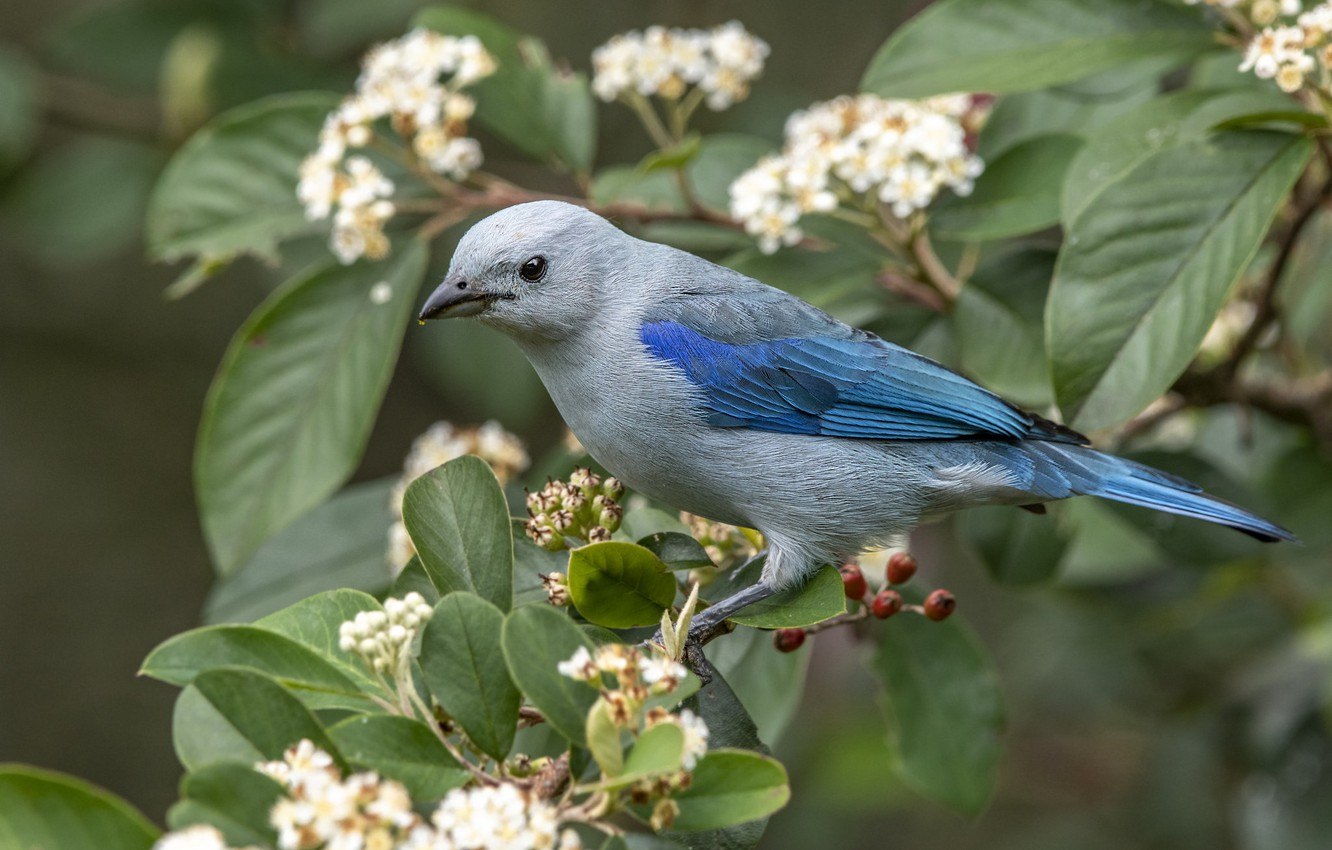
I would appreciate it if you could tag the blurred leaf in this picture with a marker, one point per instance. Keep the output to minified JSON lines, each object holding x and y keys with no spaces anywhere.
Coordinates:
{"x":657,"y":751}
{"x":290,"y":410}
{"x":231,"y":796}
{"x":322,"y":683}
{"x":400,"y":748}
{"x":19,"y":109}
{"x":768,"y":683}
{"x":619,"y":585}
{"x":673,"y":157}
{"x":462,"y":663}
{"x":1016,"y":547}
{"x":722,"y":158}
{"x":42,"y":809}
{"x":639,"y":523}
{"x":1020,"y":45}
{"x":459,"y":521}
{"x":943,"y":705}
{"x":336,"y":28}
{"x":1307,"y":290}
{"x":241,"y":715}
{"x":997,"y":323}
{"x":544,"y":111}
{"x":340,"y":544}
{"x":231,"y":189}
{"x":80,"y":203}
{"x":536,"y":638}
{"x":1171,"y":119}
{"x":1139,"y":281}
{"x":821,"y":597}
{"x":625,"y":184}
{"x":603,"y":740}
{"x":1017,"y":193}
{"x":731,"y":787}
{"x":677,"y":551}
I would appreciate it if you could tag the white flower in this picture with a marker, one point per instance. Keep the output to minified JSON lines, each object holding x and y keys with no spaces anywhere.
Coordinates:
{"x":695,"y":737}
{"x":501,"y":817}
{"x":1279,"y":53}
{"x":384,"y":638}
{"x":661,"y":62}
{"x":898,"y":152}
{"x":199,"y":837}
{"x":660,"y":673}
{"x":580,"y":667}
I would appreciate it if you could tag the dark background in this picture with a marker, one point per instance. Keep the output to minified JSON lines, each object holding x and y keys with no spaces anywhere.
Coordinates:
{"x":1129,"y":724}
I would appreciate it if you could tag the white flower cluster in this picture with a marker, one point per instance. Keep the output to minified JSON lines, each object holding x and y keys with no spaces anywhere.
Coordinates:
{"x":400,"y":80}
{"x":863,"y":150}
{"x":441,"y":443}
{"x":1261,"y":12}
{"x":720,"y":63}
{"x":658,"y":673}
{"x":384,"y":638}
{"x":364,"y":811}
{"x":1286,"y":53}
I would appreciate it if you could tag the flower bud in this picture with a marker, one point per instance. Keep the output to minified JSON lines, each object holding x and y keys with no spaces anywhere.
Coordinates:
{"x":939,"y":605}
{"x":598,"y":534}
{"x":853,"y":582}
{"x":561,"y":520}
{"x":788,"y":640}
{"x":612,"y":488}
{"x":611,"y":516}
{"x":557,"y":590}
{"x":901,"y":567}
{"x":663,"y":815}
{"x":887,"y":602}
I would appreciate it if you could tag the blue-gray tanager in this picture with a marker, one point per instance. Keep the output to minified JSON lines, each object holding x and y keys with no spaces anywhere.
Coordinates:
{"x":722,"y":396}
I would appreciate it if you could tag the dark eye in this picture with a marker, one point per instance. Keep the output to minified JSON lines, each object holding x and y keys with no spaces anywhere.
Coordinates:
{"x":533,"y":270}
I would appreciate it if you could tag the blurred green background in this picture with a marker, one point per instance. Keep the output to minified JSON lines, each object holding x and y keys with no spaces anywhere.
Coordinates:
{"x":1152,"y":703}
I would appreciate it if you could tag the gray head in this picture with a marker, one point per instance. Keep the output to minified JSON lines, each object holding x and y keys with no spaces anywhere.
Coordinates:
{"x":535,"y":270}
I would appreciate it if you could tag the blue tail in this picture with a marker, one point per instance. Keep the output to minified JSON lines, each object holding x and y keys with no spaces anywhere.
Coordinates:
{"x":1061,"y":470}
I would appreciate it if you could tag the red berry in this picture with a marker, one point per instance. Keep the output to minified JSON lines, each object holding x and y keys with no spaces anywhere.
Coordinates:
{"x":788,"y":640}
{"x":901,"y":567}
{"x":853,"y":582}
{"x":939,"y":604}
{"x":886,"y":603}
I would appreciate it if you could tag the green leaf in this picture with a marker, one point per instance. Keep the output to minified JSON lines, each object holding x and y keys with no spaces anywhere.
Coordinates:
{"x":290,"y":410}
{"x":341,"y":543}
{"x":731,"y":787}
{"x":413,"y":578}
{"x":619,"y":585}
{"x":677,"y":156}
{"x":232,"y":796}
{"x":997,"y":322}
{"x":240,"y":715}
{"x":459,"y":521}
{"x":232,"y":188}
{"x":657,"y":751}
{"x":644,"y":522}
{"x":1016,"y":547}
{"x":603,"y":740}
{"x":1183,"y":116}
{"x":462,"y":663}
{"x":677,"y":551}
{"x":818,"y":599}
{"x":1022,"y":45}
{"x":321,"y":682}
{"x":546,"y":112}
{"x":769,"y":684}
{"x":1018,"y":193}
{"x":315,"y":622}
{"x":530,"y":563}
{"x":537,"y":638}
{"x":400,"y":748}
{"x":44,"y":810}
{"x":943,"y":705}
{"x":1139,"y":281}
{"x":18,"y":109}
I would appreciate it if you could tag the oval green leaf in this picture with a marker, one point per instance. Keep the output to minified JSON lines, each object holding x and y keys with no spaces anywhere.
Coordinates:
{"x":1148,"y":263}
{"x":537,"y":638}
{"x":462,"y":662}
{"x":289,"y":414}
{"x":818,"y":599}
{"x":459,"y":521}
{"x":620,"y":585}
{"x":731,"y":787}
{"x":1023,"y":45}
{"x":400,"y":748}
{"x":43,"y":809}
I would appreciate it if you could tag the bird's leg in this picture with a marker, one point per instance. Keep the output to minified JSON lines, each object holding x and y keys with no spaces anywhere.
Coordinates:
{"x":709,"y":623}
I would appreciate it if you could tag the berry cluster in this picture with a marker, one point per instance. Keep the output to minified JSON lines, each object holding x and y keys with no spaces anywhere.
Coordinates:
{"x":584,"y":508}
{"x":887,"y":602}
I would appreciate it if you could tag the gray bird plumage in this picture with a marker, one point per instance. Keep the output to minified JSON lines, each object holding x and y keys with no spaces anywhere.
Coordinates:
{"x":746,"y":439}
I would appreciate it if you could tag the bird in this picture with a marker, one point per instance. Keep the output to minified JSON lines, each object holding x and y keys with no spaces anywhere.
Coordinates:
{"x":709,"y":391}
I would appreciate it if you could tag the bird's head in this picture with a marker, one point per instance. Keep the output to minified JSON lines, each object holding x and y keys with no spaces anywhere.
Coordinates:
{"x":538,"y":269}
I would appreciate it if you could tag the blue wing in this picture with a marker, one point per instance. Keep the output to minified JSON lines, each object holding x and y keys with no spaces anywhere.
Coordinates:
{"x":774,"y":363}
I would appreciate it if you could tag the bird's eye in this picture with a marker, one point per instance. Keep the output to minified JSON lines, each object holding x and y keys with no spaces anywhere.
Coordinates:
{"x":533,"y":270}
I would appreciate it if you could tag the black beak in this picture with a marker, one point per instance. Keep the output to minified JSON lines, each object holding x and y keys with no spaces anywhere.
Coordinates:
{"x":457,"y":297}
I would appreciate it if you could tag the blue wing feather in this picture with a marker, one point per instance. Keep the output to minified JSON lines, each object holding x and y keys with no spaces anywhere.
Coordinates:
{"x":806,"y":373}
